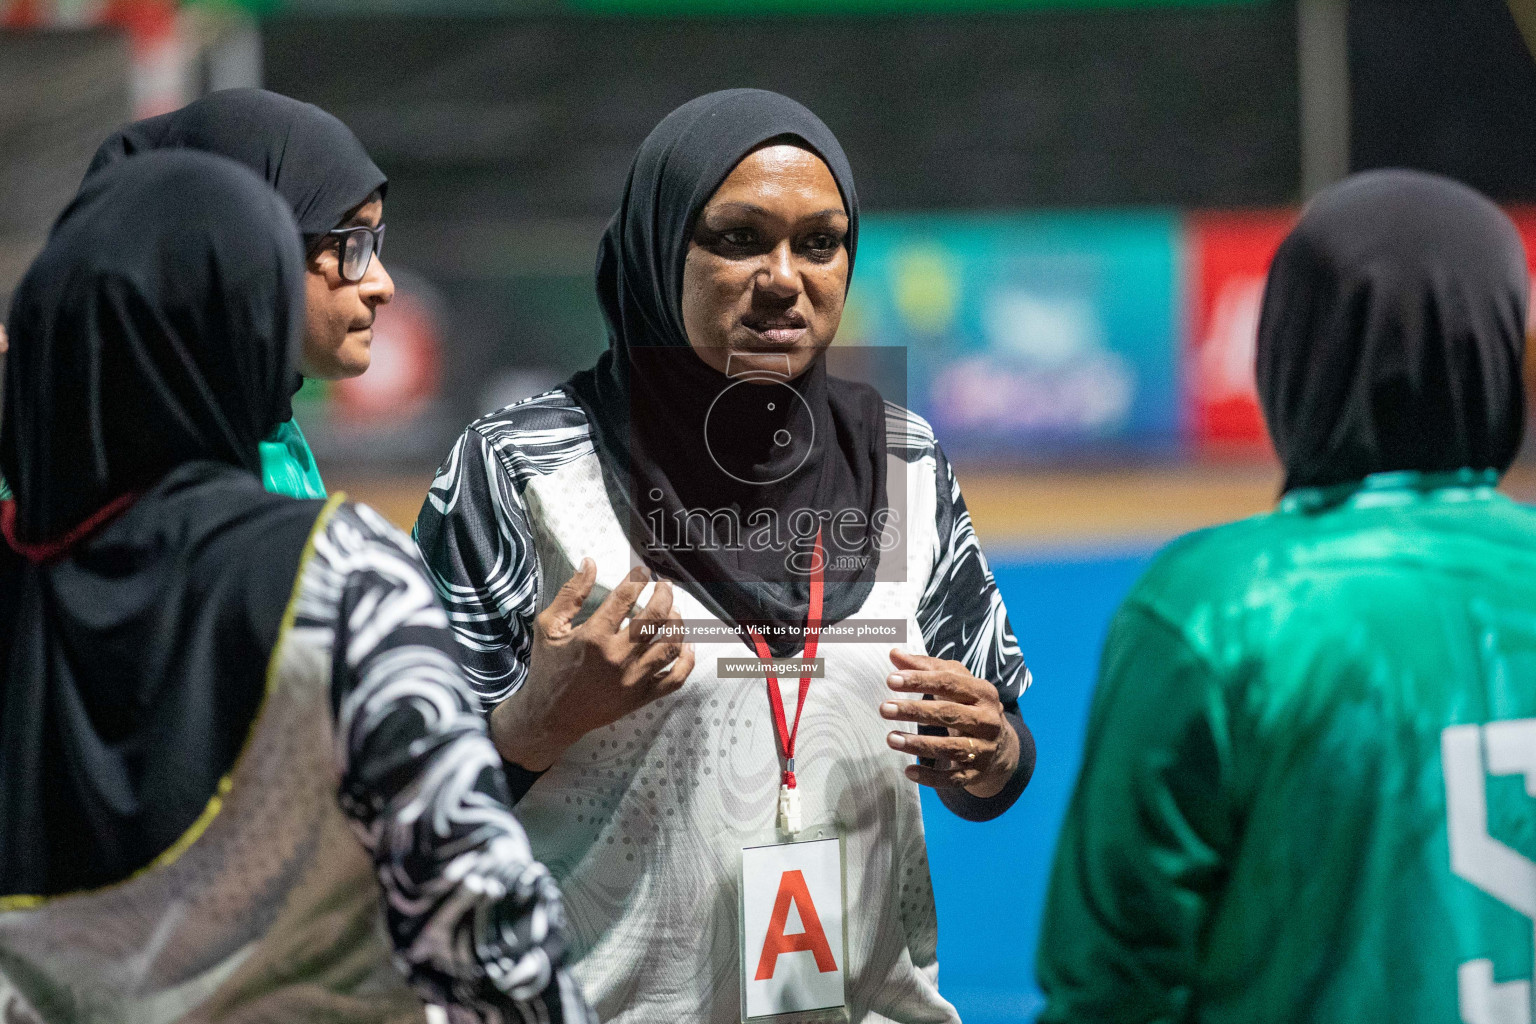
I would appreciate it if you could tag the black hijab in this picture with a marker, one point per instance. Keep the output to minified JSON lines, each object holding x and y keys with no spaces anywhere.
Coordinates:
{"x":150,"y":345}
{"x":649,"y":398}
{"x":309,"y":156}
{"x":1393,"y":332}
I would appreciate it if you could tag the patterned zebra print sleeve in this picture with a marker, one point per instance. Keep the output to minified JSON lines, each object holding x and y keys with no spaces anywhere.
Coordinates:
{"x":963,"y":619}
{"x":961,"y":613}
{"x":477,"y":924}
{"x":474,"y":535}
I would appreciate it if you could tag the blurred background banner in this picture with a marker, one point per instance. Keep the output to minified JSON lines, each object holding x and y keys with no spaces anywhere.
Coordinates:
{"x":1228,"y":255}
{"x":1228,"y":258}
{"x":1070,"y":207}
{"x":1033,"y":336}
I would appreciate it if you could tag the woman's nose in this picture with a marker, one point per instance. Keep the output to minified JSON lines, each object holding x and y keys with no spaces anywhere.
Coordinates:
{"x":377,"y":286}
{"x":777,"y":273}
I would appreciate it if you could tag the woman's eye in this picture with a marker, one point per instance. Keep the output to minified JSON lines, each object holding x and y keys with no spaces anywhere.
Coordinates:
{"x":823,"y":245}
{"x":739,"y":236}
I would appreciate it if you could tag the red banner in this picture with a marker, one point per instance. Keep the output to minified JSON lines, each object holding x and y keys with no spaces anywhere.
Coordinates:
{"x":402,"y":378}
{"x":1229,"y":256}
{"x":1525,"y":219}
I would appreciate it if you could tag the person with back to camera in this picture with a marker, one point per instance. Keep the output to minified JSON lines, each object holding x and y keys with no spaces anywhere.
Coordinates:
{"x":336,"y":193}
{"x":1311,"y":760}
{"x":240,"y":769}
{"x":703,"y":825}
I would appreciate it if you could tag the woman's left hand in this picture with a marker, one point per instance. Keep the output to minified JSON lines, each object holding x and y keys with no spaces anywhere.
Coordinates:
{"x":981,"y":751}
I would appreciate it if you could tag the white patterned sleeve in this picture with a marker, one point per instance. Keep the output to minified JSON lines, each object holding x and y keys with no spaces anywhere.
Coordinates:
{"x":474,"y":536}
{"x":961,"y":613}
{"x":477,"y":924}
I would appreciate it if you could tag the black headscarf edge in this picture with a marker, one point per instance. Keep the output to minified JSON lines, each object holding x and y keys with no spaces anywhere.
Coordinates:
{"x":113,"y":294}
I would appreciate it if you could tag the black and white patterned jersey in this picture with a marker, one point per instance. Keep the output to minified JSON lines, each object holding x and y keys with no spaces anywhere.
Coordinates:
{"x":643,"y":820}
{"x":476,"y":922}
{"x":360,"y":857}
{"x":475,"y":535}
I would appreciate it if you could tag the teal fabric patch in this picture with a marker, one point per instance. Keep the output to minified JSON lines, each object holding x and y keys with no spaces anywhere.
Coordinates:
{"x":288,"y":466}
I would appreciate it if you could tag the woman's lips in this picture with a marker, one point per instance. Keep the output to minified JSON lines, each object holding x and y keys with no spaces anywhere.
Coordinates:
{"x":778,"y":332}
{"x":780,"y":336}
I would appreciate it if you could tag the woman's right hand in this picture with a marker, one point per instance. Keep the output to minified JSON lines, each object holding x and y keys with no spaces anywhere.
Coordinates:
{"x":584,"y":677}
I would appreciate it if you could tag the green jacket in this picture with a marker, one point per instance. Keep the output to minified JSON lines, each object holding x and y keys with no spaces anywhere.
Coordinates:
{"x":1309,"y":792}
{"x":287,"y":464}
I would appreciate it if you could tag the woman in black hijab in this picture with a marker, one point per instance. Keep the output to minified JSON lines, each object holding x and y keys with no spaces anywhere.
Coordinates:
{"x":223,"y":710}
{"x":782,"y":508}
{"x":672,"y":432}
{"x":1289,"y":808}
{"x":1375,"y":358}
{"x":336,"y":194}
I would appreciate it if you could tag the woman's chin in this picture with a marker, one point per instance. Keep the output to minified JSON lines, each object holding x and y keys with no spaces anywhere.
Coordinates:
{"x":778,"y":361}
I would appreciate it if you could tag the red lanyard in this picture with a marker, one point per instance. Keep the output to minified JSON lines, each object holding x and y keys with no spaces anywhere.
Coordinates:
{"x":50,"y":550}
{"x":781,"y":728}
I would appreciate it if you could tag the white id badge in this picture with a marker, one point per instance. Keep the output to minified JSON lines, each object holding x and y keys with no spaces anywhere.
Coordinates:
{"x":794,"y":950}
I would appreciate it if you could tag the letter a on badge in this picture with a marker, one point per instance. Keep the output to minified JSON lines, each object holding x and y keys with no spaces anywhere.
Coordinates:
{"x":792,"y":888}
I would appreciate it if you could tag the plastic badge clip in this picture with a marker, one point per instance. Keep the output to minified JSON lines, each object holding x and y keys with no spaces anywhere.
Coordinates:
{"x":789,"y":810}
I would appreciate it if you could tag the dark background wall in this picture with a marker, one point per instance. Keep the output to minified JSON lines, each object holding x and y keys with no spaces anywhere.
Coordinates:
{"x":539,"y":117}
{"x":61,"y":93}
{"x":1444,"y":85}
{"x":507,"y":139}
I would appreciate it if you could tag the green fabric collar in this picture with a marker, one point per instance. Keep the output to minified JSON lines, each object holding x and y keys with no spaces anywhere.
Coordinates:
{"x":1399,"y":487}
{"x":288,"y":466}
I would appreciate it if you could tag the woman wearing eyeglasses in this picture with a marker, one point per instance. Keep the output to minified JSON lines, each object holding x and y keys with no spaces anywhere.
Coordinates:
{"x":336,"y":193}
{"x":242,"y":777}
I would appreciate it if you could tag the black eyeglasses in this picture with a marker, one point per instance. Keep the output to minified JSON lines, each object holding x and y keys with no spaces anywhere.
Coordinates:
{"x":355,"y":249}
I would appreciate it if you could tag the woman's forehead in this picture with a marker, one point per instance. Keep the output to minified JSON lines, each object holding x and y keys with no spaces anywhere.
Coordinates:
{"x":369,"y":212}
{"x":779,"y":174}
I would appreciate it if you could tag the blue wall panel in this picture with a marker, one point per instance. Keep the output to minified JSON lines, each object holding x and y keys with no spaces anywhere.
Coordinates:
{"x":989,"y":879}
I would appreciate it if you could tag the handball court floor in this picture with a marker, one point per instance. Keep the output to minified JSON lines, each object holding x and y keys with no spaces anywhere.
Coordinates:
{"x":1065,"y":548}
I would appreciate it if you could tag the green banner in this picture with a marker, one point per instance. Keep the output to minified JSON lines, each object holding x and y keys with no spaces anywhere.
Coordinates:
{"x":711,"y":8}
{"x":756,"y":7}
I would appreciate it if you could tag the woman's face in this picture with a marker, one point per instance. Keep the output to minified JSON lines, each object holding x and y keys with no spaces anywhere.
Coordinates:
{"x":338,"y":314}
{"x":767,"y":267}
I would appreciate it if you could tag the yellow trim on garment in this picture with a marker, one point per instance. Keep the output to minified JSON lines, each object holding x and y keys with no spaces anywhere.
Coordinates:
{"x":215,"y":804}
